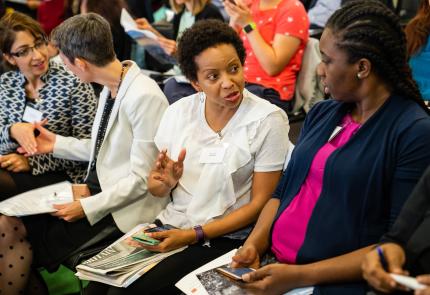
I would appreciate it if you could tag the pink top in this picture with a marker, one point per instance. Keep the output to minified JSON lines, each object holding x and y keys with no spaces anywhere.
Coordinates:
{"x":289,"y":18}
{"x":289,"y":230}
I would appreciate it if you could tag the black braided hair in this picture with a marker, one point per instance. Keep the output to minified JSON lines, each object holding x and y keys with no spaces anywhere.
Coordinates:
{"x":368,"y":29}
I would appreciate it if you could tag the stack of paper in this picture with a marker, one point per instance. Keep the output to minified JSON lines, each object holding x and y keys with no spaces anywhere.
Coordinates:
{"x":38,"y":201}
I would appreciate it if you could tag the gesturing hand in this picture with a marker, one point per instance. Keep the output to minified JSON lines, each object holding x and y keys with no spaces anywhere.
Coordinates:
{"x":168,"y":171}
{"x":44,"y":142}
{"x":14,"y":163}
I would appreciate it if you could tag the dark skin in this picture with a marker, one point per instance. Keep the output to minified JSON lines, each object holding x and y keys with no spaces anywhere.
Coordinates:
{"x":352,"y":82}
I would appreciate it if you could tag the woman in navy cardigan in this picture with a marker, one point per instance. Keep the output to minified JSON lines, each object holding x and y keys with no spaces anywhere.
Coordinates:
{"x":357,"y":159}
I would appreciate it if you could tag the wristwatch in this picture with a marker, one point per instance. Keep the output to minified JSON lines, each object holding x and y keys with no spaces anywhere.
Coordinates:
{"x":249,"y":27}
{"x":200,"y":234}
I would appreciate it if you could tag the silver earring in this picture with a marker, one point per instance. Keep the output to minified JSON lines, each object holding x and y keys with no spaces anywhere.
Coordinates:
{"x":359,"y":75}
{"x":201,"y":96}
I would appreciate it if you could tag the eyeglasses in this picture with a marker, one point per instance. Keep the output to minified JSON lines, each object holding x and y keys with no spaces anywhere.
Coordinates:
{"x":24,"y":52}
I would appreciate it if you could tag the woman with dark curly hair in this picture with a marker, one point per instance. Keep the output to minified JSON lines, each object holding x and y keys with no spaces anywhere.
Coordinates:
{"x":236,"y":146}
{"x":356,"y":162}
{"x":418,"y":37}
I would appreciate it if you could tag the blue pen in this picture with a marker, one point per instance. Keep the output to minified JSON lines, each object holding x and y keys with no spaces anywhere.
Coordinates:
{"x":382,"y":258}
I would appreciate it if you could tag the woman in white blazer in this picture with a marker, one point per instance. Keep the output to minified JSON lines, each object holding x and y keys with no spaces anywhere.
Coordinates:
{"x":120,"y":154}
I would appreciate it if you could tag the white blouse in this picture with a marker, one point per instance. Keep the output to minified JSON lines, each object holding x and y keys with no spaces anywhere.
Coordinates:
{"x":218,"y":168}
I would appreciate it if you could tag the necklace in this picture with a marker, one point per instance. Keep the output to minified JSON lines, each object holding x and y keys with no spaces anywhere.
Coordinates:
{"x":120,"y":79}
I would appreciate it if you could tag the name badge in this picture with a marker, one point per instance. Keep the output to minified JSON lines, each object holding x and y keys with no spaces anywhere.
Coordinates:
{"x":32,"y":115}
{"x":336,"y":131}
{"x":212,"y":155}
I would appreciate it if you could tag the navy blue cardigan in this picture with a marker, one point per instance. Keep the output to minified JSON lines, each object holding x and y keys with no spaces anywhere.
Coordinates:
{"x":366,"y":182}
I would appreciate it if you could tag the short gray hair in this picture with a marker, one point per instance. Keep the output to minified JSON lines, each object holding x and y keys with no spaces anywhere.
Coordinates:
{"x":86,"y":36}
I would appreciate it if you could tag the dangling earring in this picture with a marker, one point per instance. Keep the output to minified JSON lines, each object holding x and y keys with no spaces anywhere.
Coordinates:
{"x":201,"y":96}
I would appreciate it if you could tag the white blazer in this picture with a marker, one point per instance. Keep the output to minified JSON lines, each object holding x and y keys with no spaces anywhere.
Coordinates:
{"x":126,"y":155}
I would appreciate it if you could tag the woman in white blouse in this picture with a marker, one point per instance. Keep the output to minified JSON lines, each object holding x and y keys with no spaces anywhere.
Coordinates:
{"x":235,"y":145}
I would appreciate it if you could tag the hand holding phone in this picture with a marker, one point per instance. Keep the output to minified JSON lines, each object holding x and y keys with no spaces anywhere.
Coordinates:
{"x":234,"y":273}
{"x":144,"y":239}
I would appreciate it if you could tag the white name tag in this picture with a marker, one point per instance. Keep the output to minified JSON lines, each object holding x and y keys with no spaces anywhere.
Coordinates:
{"x":336,"y":131}
{"x":212,"y":155}
{"x":32,"y":115}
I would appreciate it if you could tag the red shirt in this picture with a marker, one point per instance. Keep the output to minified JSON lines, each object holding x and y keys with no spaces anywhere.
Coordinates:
{"x":50,"y":14}
{"x":288,"y":18}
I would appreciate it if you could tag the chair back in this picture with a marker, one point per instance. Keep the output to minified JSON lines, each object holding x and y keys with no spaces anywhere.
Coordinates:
{"x":309,"y":89}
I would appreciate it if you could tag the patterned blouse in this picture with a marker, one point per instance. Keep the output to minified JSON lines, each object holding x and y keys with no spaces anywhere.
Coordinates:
{"x":67,"y":103}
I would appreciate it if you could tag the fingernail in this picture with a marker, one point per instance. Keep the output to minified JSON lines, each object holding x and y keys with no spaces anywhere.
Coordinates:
{"x":246,"y":277}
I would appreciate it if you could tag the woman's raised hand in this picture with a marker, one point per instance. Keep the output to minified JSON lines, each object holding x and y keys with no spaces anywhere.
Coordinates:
{"x":168,"y":171}
{"x":240,"y":13}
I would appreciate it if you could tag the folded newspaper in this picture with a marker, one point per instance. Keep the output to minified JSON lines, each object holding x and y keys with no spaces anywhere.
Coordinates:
{"x":120,"y":264}
{"x":38,"y":201}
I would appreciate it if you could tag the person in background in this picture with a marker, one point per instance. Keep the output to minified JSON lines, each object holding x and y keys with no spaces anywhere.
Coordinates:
{"x":320,"y":11}
{"x":50,"y":13}
{"x":275,"y":33}
{"x":214,"y":200}
{"x":37,"y":89}
{"x":406,"y":247}
{"x":111,"y":11}
{"x":121,"y":151}
{"x":187,"y":12}
{"x":418,"y":37}
{"x":356,"y":162}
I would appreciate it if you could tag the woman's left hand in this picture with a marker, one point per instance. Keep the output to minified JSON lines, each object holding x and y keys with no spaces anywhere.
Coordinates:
{"x":275,"y":278}
{"x":15,"y":163}
{"x":69,"y":212}
{"x":170,"y":240}
{"x":240,"y":14}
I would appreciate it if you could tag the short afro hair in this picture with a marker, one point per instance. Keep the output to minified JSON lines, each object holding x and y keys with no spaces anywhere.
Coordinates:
{"x":202,"y":35}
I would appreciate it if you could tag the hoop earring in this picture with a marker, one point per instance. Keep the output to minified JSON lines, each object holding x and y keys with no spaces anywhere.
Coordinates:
{"x":201,"y":96}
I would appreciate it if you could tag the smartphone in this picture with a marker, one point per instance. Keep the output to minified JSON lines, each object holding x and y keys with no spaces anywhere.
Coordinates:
{"x":144,"y":239}
{"x":234,"y":273}
{"x":160,"y":228}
